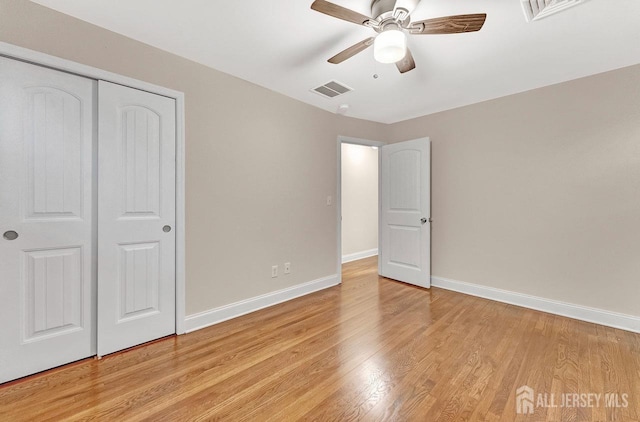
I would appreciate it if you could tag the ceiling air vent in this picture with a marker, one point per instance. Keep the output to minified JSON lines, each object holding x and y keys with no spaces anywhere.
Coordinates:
{"x":537,"y":9}
{"x":332,"y":89}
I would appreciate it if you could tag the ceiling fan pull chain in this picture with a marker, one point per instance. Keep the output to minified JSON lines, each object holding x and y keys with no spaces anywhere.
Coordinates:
{"x":375,"y":69}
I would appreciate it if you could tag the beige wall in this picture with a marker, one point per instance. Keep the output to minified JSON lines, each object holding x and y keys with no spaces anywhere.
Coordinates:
{"x":359,"y":198}
{"x":539,"y":193}
{"x":259,"y":165}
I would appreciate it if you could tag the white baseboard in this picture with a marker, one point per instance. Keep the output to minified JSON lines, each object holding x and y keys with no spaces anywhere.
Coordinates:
{"x":359,"y":255}
{"x":583,"y":313}
{"x":223,"y":313}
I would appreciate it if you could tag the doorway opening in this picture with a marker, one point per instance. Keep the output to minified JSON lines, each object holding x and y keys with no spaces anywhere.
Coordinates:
{"x":403,"y":211}
{"x":357,"y":204}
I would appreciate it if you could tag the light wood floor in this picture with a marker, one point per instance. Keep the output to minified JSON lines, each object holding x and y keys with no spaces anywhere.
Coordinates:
{"x":371,"y":349}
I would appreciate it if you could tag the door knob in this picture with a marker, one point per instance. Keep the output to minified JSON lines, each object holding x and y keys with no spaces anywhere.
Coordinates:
{"x":10,"y":235}
{"x":166,"y":229}
{"x":423,"y":220}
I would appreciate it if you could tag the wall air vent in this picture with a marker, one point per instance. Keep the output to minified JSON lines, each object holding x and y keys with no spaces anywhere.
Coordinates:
{"x":537,"y":9}
{"x":332,"y":89}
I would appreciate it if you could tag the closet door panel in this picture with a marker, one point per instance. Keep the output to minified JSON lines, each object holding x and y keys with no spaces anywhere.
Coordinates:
{"x":136,"y":208}
{"x":46,"y":218}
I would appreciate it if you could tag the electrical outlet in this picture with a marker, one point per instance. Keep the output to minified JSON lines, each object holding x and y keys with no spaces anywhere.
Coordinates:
{"x":274,"y":271}
{"x":287,"y":267}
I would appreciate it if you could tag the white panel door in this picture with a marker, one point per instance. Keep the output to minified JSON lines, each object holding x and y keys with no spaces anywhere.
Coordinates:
{"x":136,"y":217}
{"x":405,"y":212}
{"x":46,"y":273}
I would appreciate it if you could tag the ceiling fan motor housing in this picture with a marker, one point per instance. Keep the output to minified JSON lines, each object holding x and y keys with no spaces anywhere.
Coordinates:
{"x":380,"y":7}
{"x":387,"y":16}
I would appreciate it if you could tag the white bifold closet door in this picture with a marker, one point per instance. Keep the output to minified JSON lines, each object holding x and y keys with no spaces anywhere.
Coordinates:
{"x":136,"y":218}
{"x":47,"y":121}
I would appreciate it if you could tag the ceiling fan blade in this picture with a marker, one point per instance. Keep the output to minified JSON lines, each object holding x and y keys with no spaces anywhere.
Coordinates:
{"x":351,"y":51}
{"x":339,"y":12}
{"x":407,"y":63}
{"x":449,"y":24}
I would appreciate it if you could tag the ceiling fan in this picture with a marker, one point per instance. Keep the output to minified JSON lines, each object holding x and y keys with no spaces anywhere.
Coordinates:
{"x":392,"y":25}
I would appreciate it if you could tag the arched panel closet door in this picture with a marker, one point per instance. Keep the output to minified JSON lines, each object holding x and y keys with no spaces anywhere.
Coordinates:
{"x":47,"y":313}
{"x":137,"y":213}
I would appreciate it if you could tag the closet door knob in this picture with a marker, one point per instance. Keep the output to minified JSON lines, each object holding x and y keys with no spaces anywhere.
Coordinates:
{"x":10,"y":235}
{"x":166,"y":229}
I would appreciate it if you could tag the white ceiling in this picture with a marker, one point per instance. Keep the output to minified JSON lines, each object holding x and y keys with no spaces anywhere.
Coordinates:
{"x":283,"y":45}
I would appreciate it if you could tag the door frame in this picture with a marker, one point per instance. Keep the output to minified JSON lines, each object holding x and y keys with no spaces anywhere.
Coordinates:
{"x":35,"y":57}
{"x":356,"y":141}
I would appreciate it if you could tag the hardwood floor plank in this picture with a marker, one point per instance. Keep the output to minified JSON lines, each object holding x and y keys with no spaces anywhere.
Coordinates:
{"x":303,"y":404}
{"x":217,"y":366}
{"x":368,"y":383}
{"x":371,"y":349}
{"x":318,"y":355}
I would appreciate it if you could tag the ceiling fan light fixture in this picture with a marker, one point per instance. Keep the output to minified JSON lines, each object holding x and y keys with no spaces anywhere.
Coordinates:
{"x":390,"y":46}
